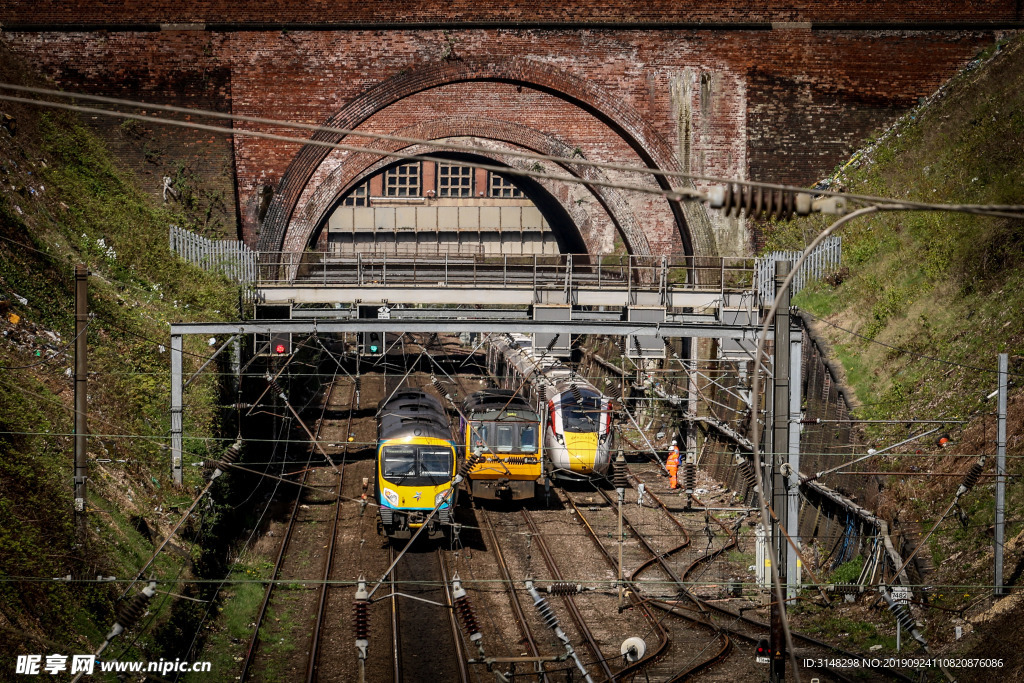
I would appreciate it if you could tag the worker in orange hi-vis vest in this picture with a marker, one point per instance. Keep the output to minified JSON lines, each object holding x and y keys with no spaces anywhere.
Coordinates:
{"x":672,"y":465}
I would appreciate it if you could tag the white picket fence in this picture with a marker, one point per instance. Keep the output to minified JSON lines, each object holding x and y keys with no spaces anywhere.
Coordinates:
{"x":822,"y":261}
{"x":231,"y":258}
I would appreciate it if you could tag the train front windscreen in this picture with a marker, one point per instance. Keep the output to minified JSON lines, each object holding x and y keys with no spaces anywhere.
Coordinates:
{"x":581,"y":417}
{"x":409,"y":465}
{"x":505,"y":437}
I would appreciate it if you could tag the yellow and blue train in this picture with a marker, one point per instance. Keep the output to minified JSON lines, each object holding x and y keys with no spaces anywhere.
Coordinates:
{"x":501,"y":427}
{"x":416,"y":465}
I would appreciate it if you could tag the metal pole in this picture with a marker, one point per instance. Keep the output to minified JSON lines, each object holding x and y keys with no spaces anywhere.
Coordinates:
{"x":176,"y":391}
{"x":780,"y":467}
{"x":793,"y":520}
{"x":1001,"y":474}
{"x":81,"y":372}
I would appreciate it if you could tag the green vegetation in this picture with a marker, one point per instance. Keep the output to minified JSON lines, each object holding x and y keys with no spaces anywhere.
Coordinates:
{"x":64,"y":202}
{"x":848,"y":572}
{"x":939,"y":284}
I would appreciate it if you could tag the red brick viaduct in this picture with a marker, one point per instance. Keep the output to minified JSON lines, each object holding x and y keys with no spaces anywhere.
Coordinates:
{"x":753,"y":90}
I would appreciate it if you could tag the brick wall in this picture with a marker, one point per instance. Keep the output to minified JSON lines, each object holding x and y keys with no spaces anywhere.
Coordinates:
{"x":785,"y":104}
{"x":654,"y":12}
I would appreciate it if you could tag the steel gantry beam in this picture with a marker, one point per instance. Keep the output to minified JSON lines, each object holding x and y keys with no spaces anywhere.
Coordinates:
{"x":676,"y":326}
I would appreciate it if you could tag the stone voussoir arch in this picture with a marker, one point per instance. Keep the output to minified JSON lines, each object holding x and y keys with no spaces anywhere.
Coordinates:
{"x":694,"y":226}
{"x":312,"y":211}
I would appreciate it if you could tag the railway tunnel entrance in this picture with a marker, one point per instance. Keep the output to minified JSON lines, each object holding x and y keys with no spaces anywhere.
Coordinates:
{"x":501,"y":106}
{"x":424,"y":207}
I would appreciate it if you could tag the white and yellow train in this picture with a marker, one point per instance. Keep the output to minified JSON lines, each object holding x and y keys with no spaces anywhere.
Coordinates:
{"x":577,"y":417}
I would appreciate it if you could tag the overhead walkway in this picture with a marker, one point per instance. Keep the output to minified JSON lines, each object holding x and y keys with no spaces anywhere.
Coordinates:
{"x":578,"y":280}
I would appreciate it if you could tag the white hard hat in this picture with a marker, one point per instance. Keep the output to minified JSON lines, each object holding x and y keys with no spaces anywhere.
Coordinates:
{"x":673,"y":442}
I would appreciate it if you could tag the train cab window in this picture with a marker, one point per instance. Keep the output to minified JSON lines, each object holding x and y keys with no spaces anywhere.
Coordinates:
{"x":506,"y":438}
{"x":528,"y":439}
{"x":435,"y":462}
{"x":399,"y":462}
{"x":480,"y":435}
{"x":582,"y":417}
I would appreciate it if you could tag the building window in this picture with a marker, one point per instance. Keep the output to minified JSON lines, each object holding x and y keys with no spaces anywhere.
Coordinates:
{"x":454,"y":181}
{"x":356,"y":197}
{"x":402,"y":181}
{"x":501,"y":187}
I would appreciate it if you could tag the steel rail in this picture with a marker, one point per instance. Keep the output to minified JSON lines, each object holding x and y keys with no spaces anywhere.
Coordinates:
{"x":570,"y":603}
{"x":254,"y":641}
{"x":314,"y":648}
{"x":460,"y":650}
{"x":634,"y":593}
{"x":674,"y":609}
{"x":396,"y":635}
{"x":679,"y":581}
{"x":488,"y":528}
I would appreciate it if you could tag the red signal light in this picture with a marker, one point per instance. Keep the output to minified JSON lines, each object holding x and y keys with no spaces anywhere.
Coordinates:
{"x":280,"y":348}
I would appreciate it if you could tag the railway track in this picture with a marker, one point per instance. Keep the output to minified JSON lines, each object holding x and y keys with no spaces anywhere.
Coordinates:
{"x":523,"y":624}
{"x":737,"y":626}
{"x":420,"y":603}
{"x":675,"y":637}
{"x":568,"y":600}
{"x":294,"y":605}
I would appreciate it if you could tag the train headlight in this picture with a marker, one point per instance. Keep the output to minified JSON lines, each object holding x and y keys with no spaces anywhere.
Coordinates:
{"x":560,"y":439}
{"x":390,"y":496}
{"x":439,"y":498}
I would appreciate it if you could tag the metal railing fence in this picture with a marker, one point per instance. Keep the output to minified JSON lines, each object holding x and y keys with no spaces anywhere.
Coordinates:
{"x":821,"y":262}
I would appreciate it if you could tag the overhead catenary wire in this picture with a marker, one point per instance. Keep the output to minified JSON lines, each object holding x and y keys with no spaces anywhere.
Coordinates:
{"x":674,"y":194}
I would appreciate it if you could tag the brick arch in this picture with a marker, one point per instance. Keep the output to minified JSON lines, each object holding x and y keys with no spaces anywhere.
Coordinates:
{"x":692,"y":221}
{"x":313,"y":211}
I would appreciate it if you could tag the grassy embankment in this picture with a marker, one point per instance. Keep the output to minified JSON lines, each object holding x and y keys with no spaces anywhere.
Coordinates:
{"x":62,"y":202}
{"x":926,"y":301}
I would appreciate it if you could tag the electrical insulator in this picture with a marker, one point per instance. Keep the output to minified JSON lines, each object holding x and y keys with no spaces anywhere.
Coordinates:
{"x":565,"y":588}
{"x":636,"y":346}
{"x":469,"y":463}
{"x":622,"y":345}
{"x":361,"y":618}
{"x":619,"y":479}
{"x":902,"y":615}
{"x":232,"y":453}
{"x":230,"y":456}
{"x":972,"y":477}
{"x":130,"y":613}
{"x":358,"y":381}
{"x":576,"y":394}
{"x":747,"y":472}
{"x":361,"y":610}
{"x":756,"y":201}
{"x":551,"y":344}
{"x":465,"y":610}
{"x":440,"y":389}
{"x":276,"y":388}
{"x":689,"y":476}
{"x":546,"y":613}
